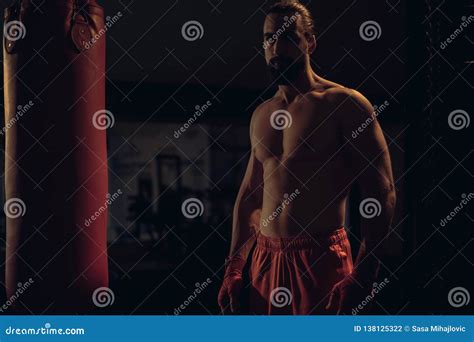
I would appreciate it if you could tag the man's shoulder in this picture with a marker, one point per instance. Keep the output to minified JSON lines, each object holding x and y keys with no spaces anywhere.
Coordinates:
{"x":265,"y":105}
{"x":348,"y":104}
{"x":341,"y":95}
{"x":263,"y":108}
{"x":260,"y":110}
{"x":336,"y":94}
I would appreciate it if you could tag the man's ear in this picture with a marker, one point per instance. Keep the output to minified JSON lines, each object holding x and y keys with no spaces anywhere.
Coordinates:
{"x":311,"y":43}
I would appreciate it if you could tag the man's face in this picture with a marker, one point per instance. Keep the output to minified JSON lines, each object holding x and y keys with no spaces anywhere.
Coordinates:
{"x":286,"y":47}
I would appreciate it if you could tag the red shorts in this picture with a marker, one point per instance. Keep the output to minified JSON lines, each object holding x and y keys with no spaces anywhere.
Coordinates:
{"x":294,"y":276}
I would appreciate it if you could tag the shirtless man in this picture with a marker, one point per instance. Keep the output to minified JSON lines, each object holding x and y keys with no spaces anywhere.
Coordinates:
{"x":303,"y":162}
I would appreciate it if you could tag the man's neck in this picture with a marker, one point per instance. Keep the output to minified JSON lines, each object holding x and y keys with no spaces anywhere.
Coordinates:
{"x":305,"y":82}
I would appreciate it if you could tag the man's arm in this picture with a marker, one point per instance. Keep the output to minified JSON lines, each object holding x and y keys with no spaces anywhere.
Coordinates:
{"x":368,"y":155}
{"x":248,"y":199}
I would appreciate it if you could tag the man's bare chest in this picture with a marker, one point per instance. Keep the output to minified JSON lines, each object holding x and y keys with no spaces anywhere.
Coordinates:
{"x":295,"y":134}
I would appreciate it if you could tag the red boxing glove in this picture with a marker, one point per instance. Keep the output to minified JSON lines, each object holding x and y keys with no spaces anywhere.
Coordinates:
{"x":229,"y":294}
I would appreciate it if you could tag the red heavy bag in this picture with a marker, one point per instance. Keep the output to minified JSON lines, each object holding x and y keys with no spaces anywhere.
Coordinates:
{"x":55,"y":155}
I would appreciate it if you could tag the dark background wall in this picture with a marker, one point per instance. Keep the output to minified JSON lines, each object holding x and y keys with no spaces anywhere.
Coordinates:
{"x":156,"y":79}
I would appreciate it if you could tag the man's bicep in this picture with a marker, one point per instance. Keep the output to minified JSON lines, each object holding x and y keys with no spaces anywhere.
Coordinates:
{"x":367,"y":149}
{"x":251,"y":188}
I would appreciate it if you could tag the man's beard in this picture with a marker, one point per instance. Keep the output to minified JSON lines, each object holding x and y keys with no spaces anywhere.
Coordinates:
{"x":287,"y":70}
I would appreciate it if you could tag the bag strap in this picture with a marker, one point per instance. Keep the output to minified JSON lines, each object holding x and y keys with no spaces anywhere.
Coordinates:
{"x":13,"y":27}
{"x":81,"y":34}
{"x":79,"y":8}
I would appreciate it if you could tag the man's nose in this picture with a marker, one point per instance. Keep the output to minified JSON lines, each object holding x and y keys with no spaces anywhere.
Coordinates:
{"x":277,"y":48}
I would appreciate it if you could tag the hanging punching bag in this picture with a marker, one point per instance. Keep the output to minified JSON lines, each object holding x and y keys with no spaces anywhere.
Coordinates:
{"x":55,"y":155}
